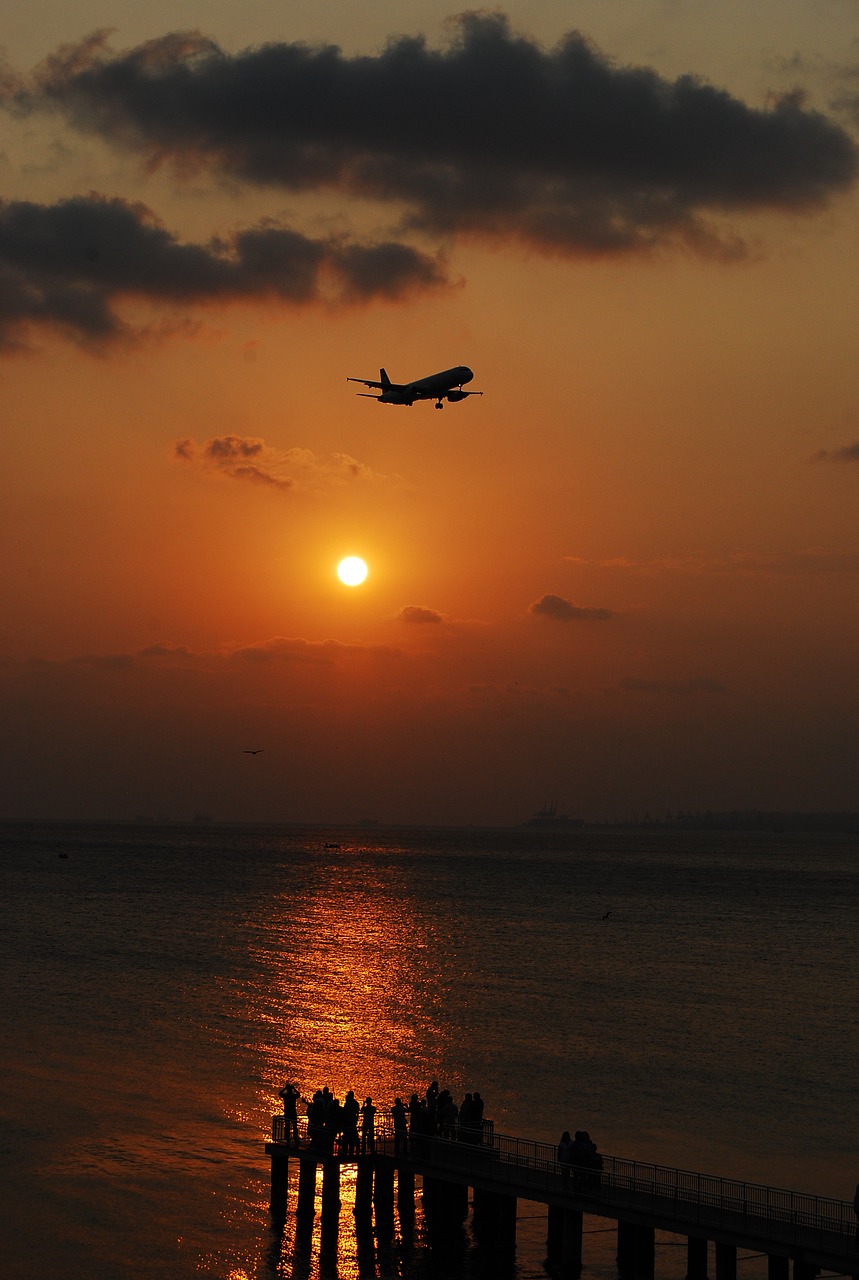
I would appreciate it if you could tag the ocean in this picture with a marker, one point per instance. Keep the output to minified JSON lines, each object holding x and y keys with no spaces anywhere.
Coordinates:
{"x":689,"y":998}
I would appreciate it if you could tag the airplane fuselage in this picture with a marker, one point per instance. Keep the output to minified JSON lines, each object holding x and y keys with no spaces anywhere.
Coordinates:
{"x":431,"y":388}
{"x":446,"y":385}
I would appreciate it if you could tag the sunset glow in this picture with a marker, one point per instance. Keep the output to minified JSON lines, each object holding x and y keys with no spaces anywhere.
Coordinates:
{"x":610,"y":578}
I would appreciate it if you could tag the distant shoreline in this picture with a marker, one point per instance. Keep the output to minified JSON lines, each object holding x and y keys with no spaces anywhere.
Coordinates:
{"x":845,"y":823}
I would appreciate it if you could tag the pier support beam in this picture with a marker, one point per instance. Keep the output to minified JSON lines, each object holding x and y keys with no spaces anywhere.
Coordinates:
{"x":494,"y":1225}
{"x":554,"y":1235}
{"x":645,"y":1252}
{"x":726,"y":1261}
{"x":625,"y":1249}
{"x":564,"y":1242}
{"x":803,"y":1270}
{"x":696,"y":1258}
{"x":778,"y":1268}
{"x":383,"y":1200}
{"x":279,"y":1185}
{"x":635,"y":1251}
{"x":571,"y":1244}
{"x":306,"y":1189}
{"x":364,"y":1191}
{"x":405,"y":1193}
{"x":330,"y":1192}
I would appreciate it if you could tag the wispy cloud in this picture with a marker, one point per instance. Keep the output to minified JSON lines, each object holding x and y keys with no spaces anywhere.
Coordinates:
{"x":781,"y":563}
{"x":68,"y":266}
{"x":558,"y":609}
{"x":250,"y":459}
{"x":849,"y":453}
{"x":676,"y":688}
{"x":492,"y":136}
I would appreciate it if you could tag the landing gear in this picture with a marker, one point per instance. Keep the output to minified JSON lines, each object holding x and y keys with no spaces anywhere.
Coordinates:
{"x":439,"y":404}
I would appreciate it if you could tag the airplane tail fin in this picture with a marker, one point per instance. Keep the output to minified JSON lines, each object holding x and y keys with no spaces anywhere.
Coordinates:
{"x":384,"y":379}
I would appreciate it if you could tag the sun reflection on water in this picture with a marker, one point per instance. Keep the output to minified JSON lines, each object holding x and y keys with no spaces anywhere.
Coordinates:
{"x":349,"y":995}
{"x":346,"y":992}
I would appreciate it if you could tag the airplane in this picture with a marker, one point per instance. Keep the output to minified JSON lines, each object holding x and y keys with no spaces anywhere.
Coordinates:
{"x":438,"y":387}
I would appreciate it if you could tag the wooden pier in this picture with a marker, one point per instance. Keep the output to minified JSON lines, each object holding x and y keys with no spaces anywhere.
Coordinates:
{"x":799,"y":1233}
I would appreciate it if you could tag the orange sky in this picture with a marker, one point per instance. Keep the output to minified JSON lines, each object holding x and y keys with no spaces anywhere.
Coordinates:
{"x":624,"y":578}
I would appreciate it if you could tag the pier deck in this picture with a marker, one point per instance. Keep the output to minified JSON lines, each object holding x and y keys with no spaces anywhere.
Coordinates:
{"x":815,"y":1233}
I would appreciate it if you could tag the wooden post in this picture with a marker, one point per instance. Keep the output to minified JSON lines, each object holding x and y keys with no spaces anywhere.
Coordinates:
{"x":696,"y":1258}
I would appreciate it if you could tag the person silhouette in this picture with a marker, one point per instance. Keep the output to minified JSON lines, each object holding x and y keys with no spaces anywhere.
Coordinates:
{"x":368,"y":1128}
{"x":398,"y":1114}
{"x":290,"y":1096}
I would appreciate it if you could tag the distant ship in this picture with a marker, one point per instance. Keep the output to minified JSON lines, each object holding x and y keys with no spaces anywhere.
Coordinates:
{"x":548,"y":817}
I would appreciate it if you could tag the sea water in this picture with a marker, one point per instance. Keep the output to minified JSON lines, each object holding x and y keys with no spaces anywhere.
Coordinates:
{"x":689,"y":998}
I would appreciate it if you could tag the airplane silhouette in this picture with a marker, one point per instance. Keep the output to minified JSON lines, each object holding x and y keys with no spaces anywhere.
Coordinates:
{"x":438,"y":386}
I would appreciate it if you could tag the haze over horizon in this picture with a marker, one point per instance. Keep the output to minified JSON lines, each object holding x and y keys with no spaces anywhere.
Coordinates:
{"x":625,"y":577}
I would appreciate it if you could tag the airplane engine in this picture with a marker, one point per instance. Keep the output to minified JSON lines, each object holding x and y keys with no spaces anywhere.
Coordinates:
{"x":455,"y":396}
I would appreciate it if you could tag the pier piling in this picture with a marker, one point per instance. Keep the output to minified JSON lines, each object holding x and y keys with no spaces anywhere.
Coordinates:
{"x":800,"y":1235}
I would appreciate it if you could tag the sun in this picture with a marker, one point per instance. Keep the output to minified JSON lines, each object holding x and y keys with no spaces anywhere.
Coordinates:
{"x":352,"y":571}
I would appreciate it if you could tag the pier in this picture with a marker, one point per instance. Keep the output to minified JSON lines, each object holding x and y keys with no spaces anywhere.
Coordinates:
{"x":800,"y":1234}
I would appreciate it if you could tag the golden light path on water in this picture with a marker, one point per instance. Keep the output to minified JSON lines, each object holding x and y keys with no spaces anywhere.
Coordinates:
{"x":347,"y":996}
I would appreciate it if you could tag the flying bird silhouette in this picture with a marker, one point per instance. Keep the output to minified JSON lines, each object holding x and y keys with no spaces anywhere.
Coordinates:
{"x":248,"y":751}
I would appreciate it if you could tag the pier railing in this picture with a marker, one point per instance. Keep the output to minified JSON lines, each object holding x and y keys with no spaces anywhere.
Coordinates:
{"x":615,"y":1184}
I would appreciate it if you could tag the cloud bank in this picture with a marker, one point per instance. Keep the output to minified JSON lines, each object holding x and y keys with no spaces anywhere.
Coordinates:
{"x":69,"y":265}
{"x":492,"y":136}
{"x":250,"y":459}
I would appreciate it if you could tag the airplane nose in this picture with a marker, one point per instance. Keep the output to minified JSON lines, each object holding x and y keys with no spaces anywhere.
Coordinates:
{"x":467,"y":375}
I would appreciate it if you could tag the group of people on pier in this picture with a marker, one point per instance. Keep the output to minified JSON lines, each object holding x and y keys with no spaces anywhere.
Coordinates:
{"x":349,"y":1128}
{"x":581,"y":1160}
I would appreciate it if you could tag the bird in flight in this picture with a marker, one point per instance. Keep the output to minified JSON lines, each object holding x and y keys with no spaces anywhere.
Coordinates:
{"x":249,"y":751}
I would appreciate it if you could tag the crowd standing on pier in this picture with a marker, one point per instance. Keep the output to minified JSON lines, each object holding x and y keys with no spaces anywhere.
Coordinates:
{"x":580,"y":1159}
{"x":332,"y":1126}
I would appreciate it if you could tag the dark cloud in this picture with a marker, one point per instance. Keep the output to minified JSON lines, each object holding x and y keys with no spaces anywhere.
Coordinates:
{"x":251,"y":459}
{"x":69,"y":265}
{"x":702,"y":684}
{"x":419,"y":614}
{"x":491,"y":136}
{"x":849,"y":453}
{"x":560,"y":610}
